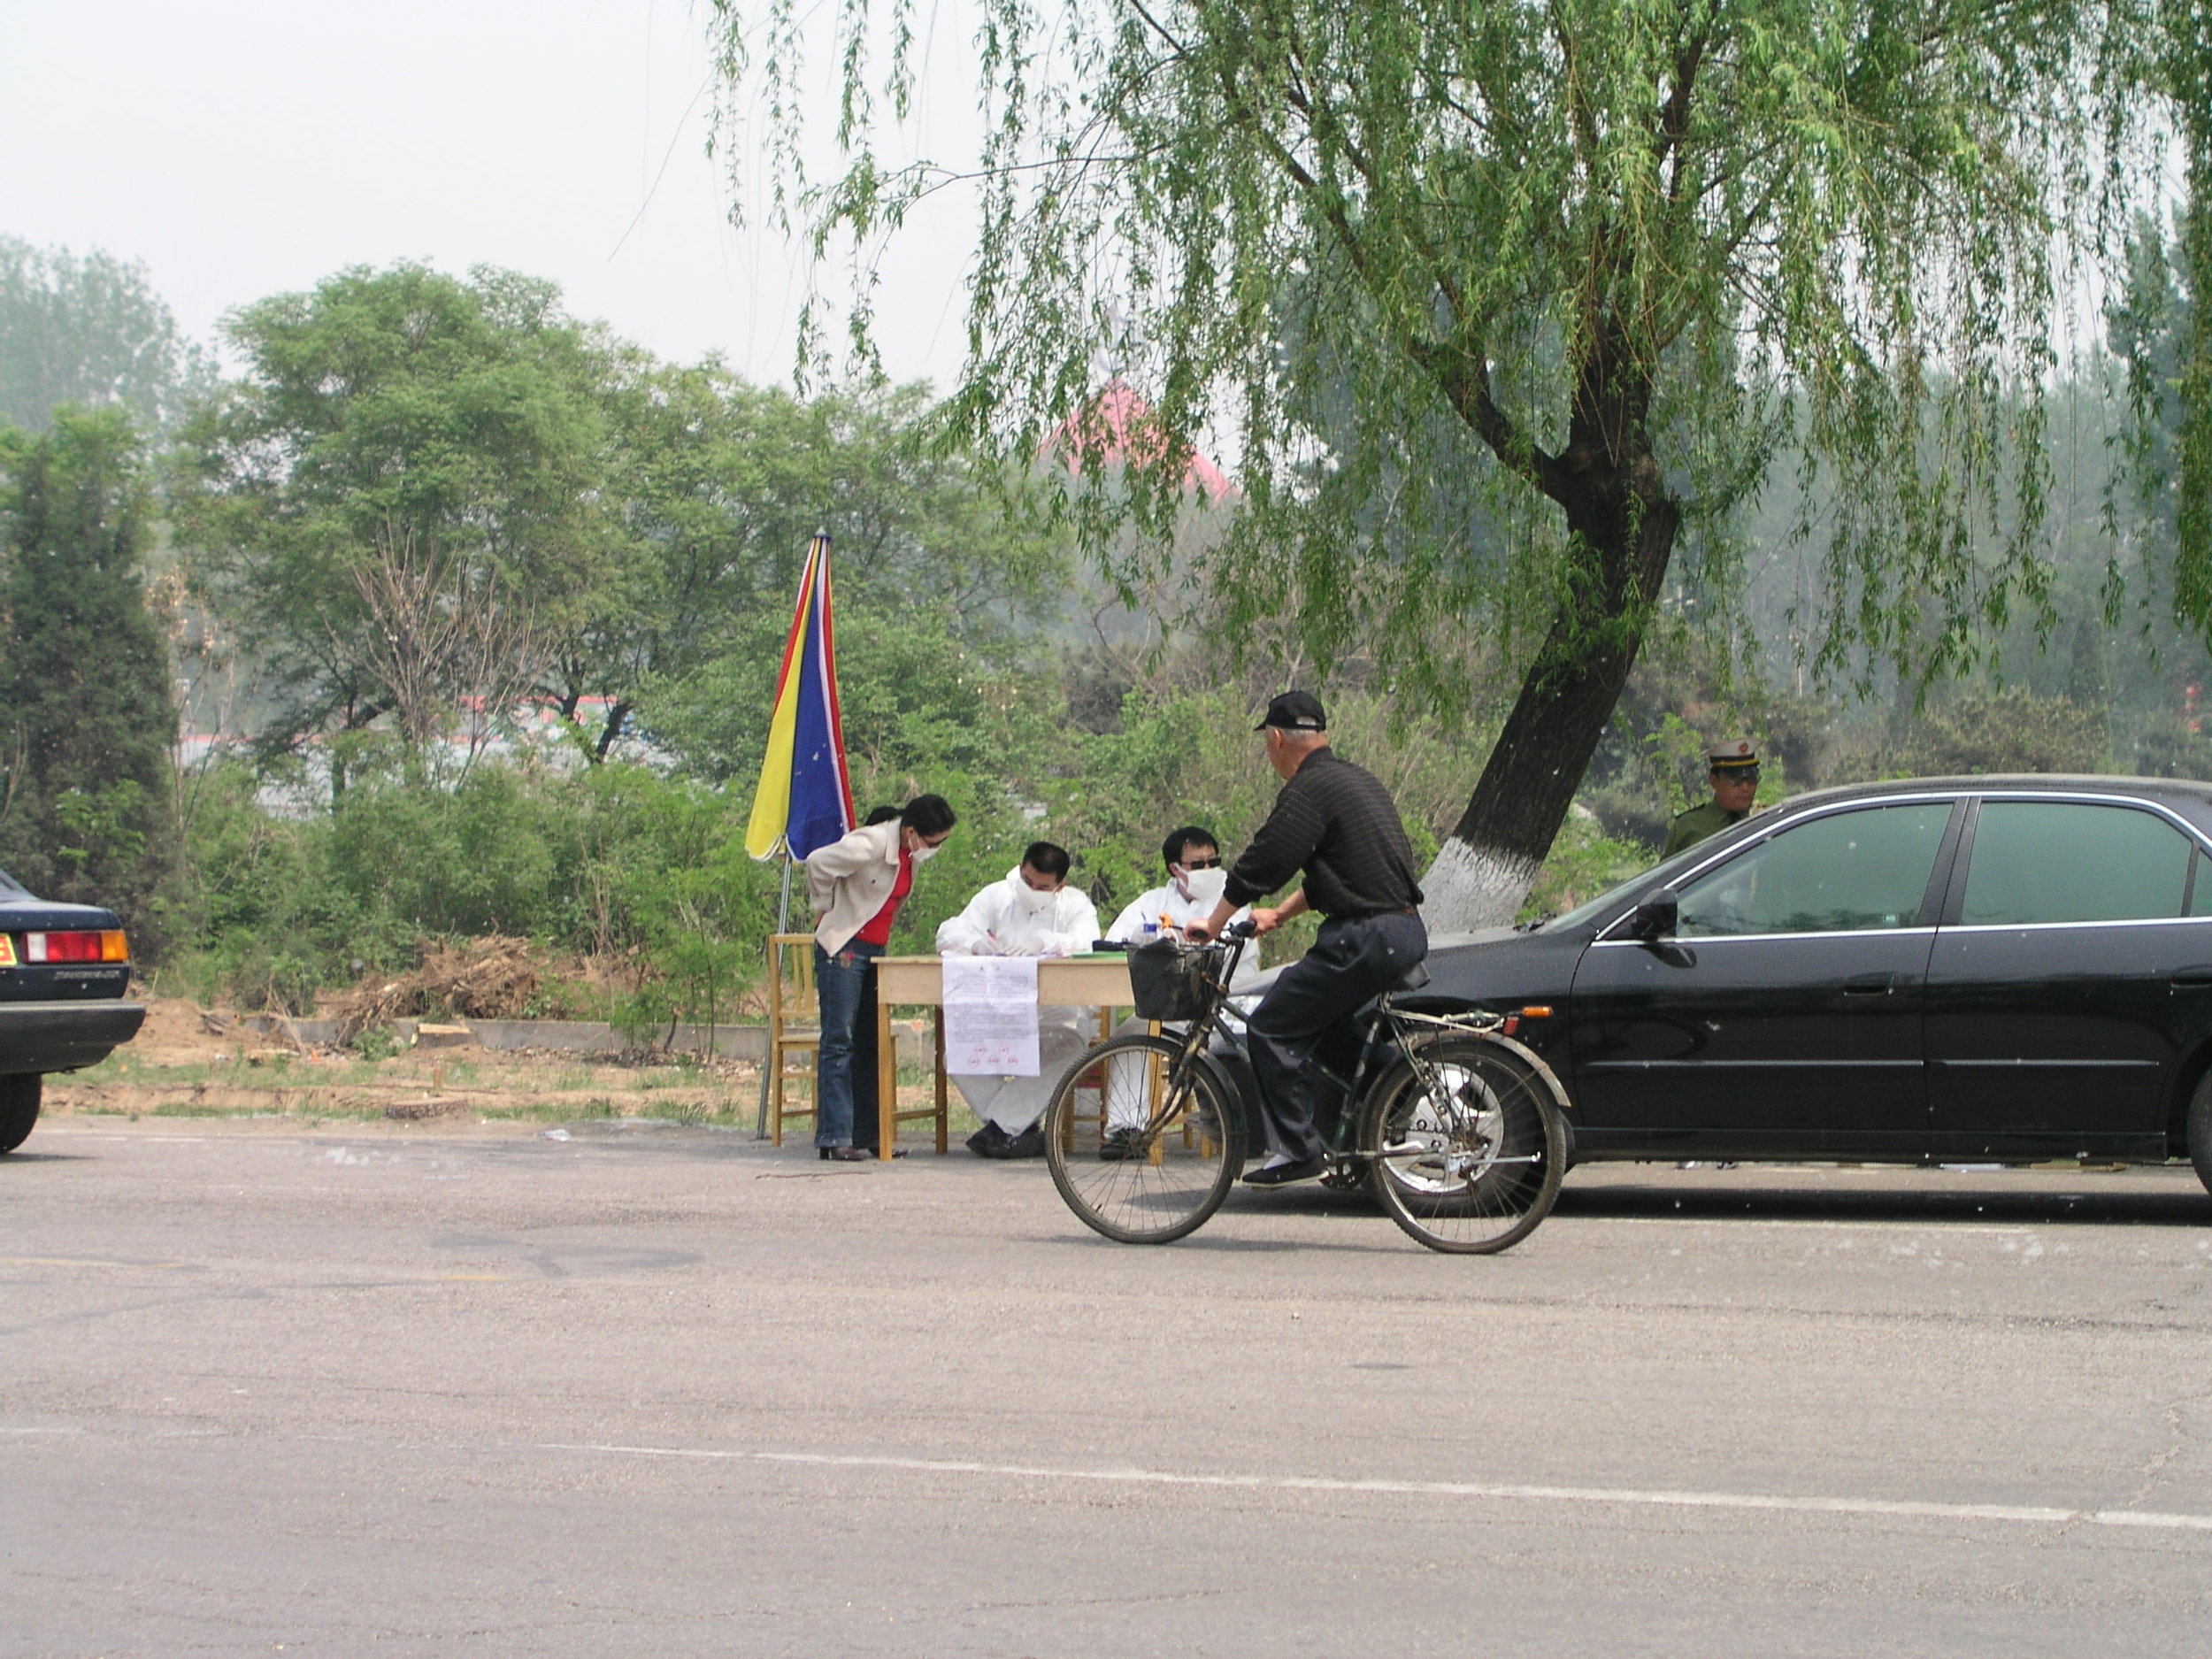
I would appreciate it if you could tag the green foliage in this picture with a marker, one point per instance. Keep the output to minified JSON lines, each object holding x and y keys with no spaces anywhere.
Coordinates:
{"x":718,"y":486}
{"x":86,"y":716}
{"x":89,"y":332}
{"x":1584,"y":862}
{"x":1530,"y":242}
{"x":2007,"y":731}
{"x":614,"y":862}
{"x":400,"y":506}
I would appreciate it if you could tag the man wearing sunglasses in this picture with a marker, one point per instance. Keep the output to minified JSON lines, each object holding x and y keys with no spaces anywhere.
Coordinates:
{"x":1194,"y":880}
{"x":1734,"y":775}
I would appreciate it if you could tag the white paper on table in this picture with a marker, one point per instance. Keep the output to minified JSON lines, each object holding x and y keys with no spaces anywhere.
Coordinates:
{"x":990,"y":1015}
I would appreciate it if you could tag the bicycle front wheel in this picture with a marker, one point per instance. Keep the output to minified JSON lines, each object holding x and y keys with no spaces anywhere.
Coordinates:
{"x":1139,"y":1154}
{"x":1465,"y":1146}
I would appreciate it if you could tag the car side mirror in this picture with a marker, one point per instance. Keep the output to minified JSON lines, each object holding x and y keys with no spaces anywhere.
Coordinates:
{"x":1657,"y":917}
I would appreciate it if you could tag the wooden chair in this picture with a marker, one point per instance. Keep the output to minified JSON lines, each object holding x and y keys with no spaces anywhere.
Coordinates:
{"x":794,"y":1026}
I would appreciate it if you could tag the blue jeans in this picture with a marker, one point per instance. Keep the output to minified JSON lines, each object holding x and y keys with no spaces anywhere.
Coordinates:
{"x":842,"y":983}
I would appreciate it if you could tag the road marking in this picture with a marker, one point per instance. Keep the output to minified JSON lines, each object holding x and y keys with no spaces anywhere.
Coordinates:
{"x":72,"y":1261}
{"x":2031,"y":1515}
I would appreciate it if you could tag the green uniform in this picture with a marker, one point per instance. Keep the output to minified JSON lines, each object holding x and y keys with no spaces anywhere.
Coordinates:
{"x":1694,"y":825}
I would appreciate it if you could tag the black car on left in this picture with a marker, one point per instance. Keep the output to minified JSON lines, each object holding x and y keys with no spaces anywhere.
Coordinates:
{"x":64,"y":973}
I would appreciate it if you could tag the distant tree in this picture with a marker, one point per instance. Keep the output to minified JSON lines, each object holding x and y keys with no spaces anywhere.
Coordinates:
{"x":89,"y":331}
{"x":718,"y":485}
{"x":2153,"y":329}
{"x":404,"y":501}
{"x":1609,"y":258}
{"x":87,"y":715}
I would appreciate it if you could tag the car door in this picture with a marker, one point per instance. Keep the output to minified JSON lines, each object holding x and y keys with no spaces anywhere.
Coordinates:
{"x":2068,"y":977}
{"x":1783,"y":1014}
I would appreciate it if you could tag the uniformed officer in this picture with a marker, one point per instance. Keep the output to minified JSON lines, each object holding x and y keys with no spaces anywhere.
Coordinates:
{"x":1734,"y":775}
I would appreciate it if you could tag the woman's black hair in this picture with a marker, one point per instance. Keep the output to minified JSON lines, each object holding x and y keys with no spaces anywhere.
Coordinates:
{"x":879,"y":815}
{"x":1046,"y":859}
{"x":928,"y":815}
{"x":1172,"y":848}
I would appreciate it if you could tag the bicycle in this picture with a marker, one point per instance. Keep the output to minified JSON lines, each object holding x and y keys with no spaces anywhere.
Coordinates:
{"x":1450,"y":1123}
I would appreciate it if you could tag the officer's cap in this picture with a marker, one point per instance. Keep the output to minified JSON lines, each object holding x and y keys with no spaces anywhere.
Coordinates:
{"x":1736,"y":755}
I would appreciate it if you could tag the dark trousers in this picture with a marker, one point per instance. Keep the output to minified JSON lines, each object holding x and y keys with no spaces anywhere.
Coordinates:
{"x":1352,"y":962}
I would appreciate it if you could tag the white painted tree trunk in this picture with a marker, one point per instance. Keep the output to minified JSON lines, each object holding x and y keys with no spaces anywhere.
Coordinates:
{"x":1469,"y":886}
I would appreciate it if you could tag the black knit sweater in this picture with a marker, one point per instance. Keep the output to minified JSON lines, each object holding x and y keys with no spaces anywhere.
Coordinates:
{"x":1337,"y":823}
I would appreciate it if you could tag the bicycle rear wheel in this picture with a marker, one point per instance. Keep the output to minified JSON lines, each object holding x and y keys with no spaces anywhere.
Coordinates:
{"x":1466,"y":1149}
{"x":1137,"y":1160}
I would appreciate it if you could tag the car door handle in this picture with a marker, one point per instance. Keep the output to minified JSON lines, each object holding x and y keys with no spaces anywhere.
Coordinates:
{"x":1870,"y":985}
{"x":2198,"y":977}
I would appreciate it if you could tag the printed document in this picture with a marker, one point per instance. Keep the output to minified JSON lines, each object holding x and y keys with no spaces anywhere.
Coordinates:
{"x":990,"y":1015}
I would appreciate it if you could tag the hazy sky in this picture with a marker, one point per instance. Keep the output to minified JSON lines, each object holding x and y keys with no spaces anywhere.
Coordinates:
{"x":245,"y":147}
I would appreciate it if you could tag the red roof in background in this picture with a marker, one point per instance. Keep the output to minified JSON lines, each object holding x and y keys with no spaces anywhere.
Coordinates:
{"x":1116,"y":414}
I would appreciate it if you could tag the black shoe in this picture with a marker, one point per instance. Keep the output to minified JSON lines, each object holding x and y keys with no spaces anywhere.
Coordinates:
{"x":1284,"y":1174}
{"x":1028,"y":1144}
{"x":896,"y":1152}
{"x":845,"y":1154}
{"x":990,"y":1141}
{"x":1121,"y":1146}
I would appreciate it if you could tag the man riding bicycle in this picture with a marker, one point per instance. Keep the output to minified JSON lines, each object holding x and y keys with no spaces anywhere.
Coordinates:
{"x":1336,"y":822}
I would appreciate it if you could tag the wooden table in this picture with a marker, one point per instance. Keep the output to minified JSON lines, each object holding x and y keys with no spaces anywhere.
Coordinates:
{"x":1101,"y":982}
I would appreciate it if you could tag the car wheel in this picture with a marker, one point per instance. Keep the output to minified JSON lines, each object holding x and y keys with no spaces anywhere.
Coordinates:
{"x":19,"y":1108}
{"x":2201,"y":1130}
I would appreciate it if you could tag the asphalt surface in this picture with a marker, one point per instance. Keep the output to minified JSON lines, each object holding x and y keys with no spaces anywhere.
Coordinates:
{"x":659,"y":1391}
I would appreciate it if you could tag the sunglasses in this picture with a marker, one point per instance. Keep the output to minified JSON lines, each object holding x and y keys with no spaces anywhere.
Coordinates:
{"x":1213,"y":862}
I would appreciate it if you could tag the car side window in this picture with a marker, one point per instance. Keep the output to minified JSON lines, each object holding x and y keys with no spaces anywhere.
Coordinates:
{"x":2069,"y":860}
{"x":2201,"y":886}
{"x":1844,"y":873}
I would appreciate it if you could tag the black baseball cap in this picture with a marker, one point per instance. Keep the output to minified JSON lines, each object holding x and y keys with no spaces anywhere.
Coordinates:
{"x":1296,"y":711}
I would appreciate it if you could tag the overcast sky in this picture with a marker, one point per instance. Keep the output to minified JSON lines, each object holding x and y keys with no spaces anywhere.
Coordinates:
{"x":242,"y":147}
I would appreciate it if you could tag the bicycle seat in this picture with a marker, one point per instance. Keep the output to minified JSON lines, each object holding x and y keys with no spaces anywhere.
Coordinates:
{"x":1413,"y":978}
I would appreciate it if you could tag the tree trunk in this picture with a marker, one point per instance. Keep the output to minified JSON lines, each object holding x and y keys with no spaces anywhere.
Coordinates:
{"x":616,"y":716}
{"x":1624,"y":524}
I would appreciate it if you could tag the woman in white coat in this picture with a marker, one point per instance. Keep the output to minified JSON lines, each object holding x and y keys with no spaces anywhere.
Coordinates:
{"x":857,"y":885}
{"x":1033,"y":912}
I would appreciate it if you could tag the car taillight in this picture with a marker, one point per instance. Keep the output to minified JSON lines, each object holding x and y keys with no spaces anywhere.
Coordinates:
{"x":107,"y":946}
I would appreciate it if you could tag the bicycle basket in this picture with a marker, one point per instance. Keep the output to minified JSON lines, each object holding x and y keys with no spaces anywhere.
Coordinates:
{"x":1170,"y":981}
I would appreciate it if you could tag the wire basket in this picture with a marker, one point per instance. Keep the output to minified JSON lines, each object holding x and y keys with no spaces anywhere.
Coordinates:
{"x":1170,"y":980}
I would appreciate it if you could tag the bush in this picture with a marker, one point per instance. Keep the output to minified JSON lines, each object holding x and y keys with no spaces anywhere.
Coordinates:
{"x":2005,"y":731}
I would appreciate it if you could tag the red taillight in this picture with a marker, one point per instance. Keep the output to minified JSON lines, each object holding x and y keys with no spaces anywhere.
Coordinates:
{"x":107,"y":946}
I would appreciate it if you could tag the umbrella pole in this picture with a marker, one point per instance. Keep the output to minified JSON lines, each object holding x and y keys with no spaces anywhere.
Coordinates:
{"x":783,"y":923}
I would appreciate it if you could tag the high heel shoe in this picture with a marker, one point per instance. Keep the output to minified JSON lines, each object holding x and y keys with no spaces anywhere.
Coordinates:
{"x":845,"y":1154}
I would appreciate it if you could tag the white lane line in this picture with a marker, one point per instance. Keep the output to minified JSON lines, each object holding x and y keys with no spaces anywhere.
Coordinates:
{"x":2030,"y":1513}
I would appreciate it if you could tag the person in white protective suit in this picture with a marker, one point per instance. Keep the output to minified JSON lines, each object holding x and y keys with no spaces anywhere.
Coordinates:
{"x":1033,"y":912}
{"x":1194,"y":881}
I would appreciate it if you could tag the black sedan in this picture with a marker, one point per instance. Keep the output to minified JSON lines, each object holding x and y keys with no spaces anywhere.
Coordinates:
{"x":64,"y":970}
{"x":1989,"y":969}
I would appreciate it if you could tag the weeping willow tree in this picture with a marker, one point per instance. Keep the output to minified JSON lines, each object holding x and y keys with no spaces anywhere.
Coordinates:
{"x":1503,"y":307}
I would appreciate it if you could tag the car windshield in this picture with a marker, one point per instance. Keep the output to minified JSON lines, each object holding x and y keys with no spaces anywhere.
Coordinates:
{"x":1595,"y":908}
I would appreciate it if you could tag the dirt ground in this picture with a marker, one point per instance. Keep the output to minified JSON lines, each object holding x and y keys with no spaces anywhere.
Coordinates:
{"x":190,"y":1062}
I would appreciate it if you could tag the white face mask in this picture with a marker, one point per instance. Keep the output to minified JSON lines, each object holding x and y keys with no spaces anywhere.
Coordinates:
{"x":921,"y":854}
{"x":1206,"y":886}
{"x":1033,"y":903}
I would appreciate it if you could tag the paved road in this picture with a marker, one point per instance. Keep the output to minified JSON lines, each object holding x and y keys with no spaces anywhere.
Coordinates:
{"x":665,"y":1391}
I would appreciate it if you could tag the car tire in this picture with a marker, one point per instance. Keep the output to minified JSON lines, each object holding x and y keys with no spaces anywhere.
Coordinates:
{"x":19,"y":1108}
{"x":2201,"y":1130}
